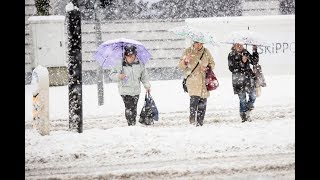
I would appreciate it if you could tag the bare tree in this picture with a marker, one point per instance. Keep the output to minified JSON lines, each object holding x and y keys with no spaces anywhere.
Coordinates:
{"x":42,"y":7}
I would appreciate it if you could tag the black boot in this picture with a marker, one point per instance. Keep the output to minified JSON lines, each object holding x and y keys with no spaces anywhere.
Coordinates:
{"x":192,"y":120}
{"x":199,"y":121}
{"x":243,"y":116}
{"x":202,"y":106}
{"x":250,"y":106}
{"x":247,"y":114}
{"x":131,"y":122}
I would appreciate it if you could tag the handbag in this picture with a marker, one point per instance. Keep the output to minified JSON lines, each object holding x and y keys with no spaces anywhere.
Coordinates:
{"x":184,"y":81}
{"x":184,"y":85}
{"x":149,"y":112}
{"x":211,"y":80}
{"x":259,"y":79}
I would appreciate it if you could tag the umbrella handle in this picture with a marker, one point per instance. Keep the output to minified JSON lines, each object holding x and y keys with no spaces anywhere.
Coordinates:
{"x":123,"y":52}
{"x":122,"y":58}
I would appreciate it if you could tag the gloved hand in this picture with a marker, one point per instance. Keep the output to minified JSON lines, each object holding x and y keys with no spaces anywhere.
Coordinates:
{"x":254,"y":48}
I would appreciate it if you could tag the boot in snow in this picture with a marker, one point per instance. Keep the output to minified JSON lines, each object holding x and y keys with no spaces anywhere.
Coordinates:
{"x":243,"y":116}
{"x":247,"y":114}
{"x":192,"y":120}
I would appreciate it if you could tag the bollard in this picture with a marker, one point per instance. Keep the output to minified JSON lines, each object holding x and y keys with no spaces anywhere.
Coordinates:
{"x":40,"y":100}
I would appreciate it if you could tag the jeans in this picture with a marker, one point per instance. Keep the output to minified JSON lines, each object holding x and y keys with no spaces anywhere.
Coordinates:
{"x":245,"y":104}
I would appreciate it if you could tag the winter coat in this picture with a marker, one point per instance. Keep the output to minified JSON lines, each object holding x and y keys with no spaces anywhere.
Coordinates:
{"x":196,"y":81}
{"x":136,"y":73}
{"x":243,"y":78}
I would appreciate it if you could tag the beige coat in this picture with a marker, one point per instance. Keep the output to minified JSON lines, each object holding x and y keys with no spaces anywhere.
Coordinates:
{"x":196,"y":81}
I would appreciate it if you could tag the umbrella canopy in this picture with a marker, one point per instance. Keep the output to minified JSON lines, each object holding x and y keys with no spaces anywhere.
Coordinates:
{"x":194,"y":34}
{"x":111,"y":52}
{"x":246,"y":37}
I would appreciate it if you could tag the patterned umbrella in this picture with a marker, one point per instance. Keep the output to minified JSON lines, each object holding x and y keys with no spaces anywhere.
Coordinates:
{"x":194,"y":34}
{"x":111,"y":52}
{"x":246,"y":37}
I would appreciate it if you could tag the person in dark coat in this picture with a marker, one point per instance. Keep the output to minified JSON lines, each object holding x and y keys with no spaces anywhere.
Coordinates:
{"x":243,"y":78}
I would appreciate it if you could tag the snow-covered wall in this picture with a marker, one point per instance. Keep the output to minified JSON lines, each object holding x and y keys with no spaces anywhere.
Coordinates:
{"x":279,"y":30}
{"x":166,"y":47}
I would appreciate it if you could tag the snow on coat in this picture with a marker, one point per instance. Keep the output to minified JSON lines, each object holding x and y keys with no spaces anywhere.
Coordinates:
{"x":136,"y":73}
{"x":243,"y":78}
{"x":196,"y":81}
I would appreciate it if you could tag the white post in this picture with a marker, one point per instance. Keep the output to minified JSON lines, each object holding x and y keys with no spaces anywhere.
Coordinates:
{"x":40,"y":100}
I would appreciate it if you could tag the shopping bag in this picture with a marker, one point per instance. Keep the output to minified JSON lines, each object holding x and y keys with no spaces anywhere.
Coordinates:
{"x":149,"y":112}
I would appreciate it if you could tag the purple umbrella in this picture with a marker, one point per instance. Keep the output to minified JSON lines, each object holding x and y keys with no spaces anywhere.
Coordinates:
{"x":111,"y":52}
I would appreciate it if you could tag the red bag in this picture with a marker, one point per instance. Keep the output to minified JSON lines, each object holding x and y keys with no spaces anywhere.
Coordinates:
{"x":212,"y":82}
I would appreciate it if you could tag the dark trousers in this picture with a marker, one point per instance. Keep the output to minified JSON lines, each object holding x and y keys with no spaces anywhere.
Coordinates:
{"x":130,"y":103}
{"x":198,"y":107}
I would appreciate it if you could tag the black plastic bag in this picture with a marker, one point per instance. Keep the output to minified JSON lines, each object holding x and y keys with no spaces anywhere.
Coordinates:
{"x":149,"y":112}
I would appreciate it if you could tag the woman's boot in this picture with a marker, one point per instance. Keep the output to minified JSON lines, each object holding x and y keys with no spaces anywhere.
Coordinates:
{"x":243,"y":116}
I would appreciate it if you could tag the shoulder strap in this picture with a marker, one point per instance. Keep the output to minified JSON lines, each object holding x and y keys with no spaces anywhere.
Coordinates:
{"x":197,"y":64}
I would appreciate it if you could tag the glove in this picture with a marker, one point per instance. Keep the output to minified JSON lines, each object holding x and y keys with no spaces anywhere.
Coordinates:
{"x":254,"y":48}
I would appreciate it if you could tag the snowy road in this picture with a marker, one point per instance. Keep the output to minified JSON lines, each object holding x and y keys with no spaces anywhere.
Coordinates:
{"x":224,"y":148}
{"x":230,"y":161}
{"x":213,"y":116}
{"x":266,"y":166}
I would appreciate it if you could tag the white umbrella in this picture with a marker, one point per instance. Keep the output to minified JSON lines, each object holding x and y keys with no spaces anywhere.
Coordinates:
{"x":194,"y":34}
{"x":246,"y":37}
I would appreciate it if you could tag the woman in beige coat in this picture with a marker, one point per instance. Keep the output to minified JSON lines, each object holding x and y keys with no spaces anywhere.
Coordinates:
{"x":196,"y":81}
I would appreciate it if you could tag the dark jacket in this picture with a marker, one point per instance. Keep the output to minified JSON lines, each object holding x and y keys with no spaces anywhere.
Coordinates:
{"x":242,"y":75}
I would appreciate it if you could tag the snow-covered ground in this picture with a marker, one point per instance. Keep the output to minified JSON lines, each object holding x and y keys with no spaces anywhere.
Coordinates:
{"x":224,"y":148}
